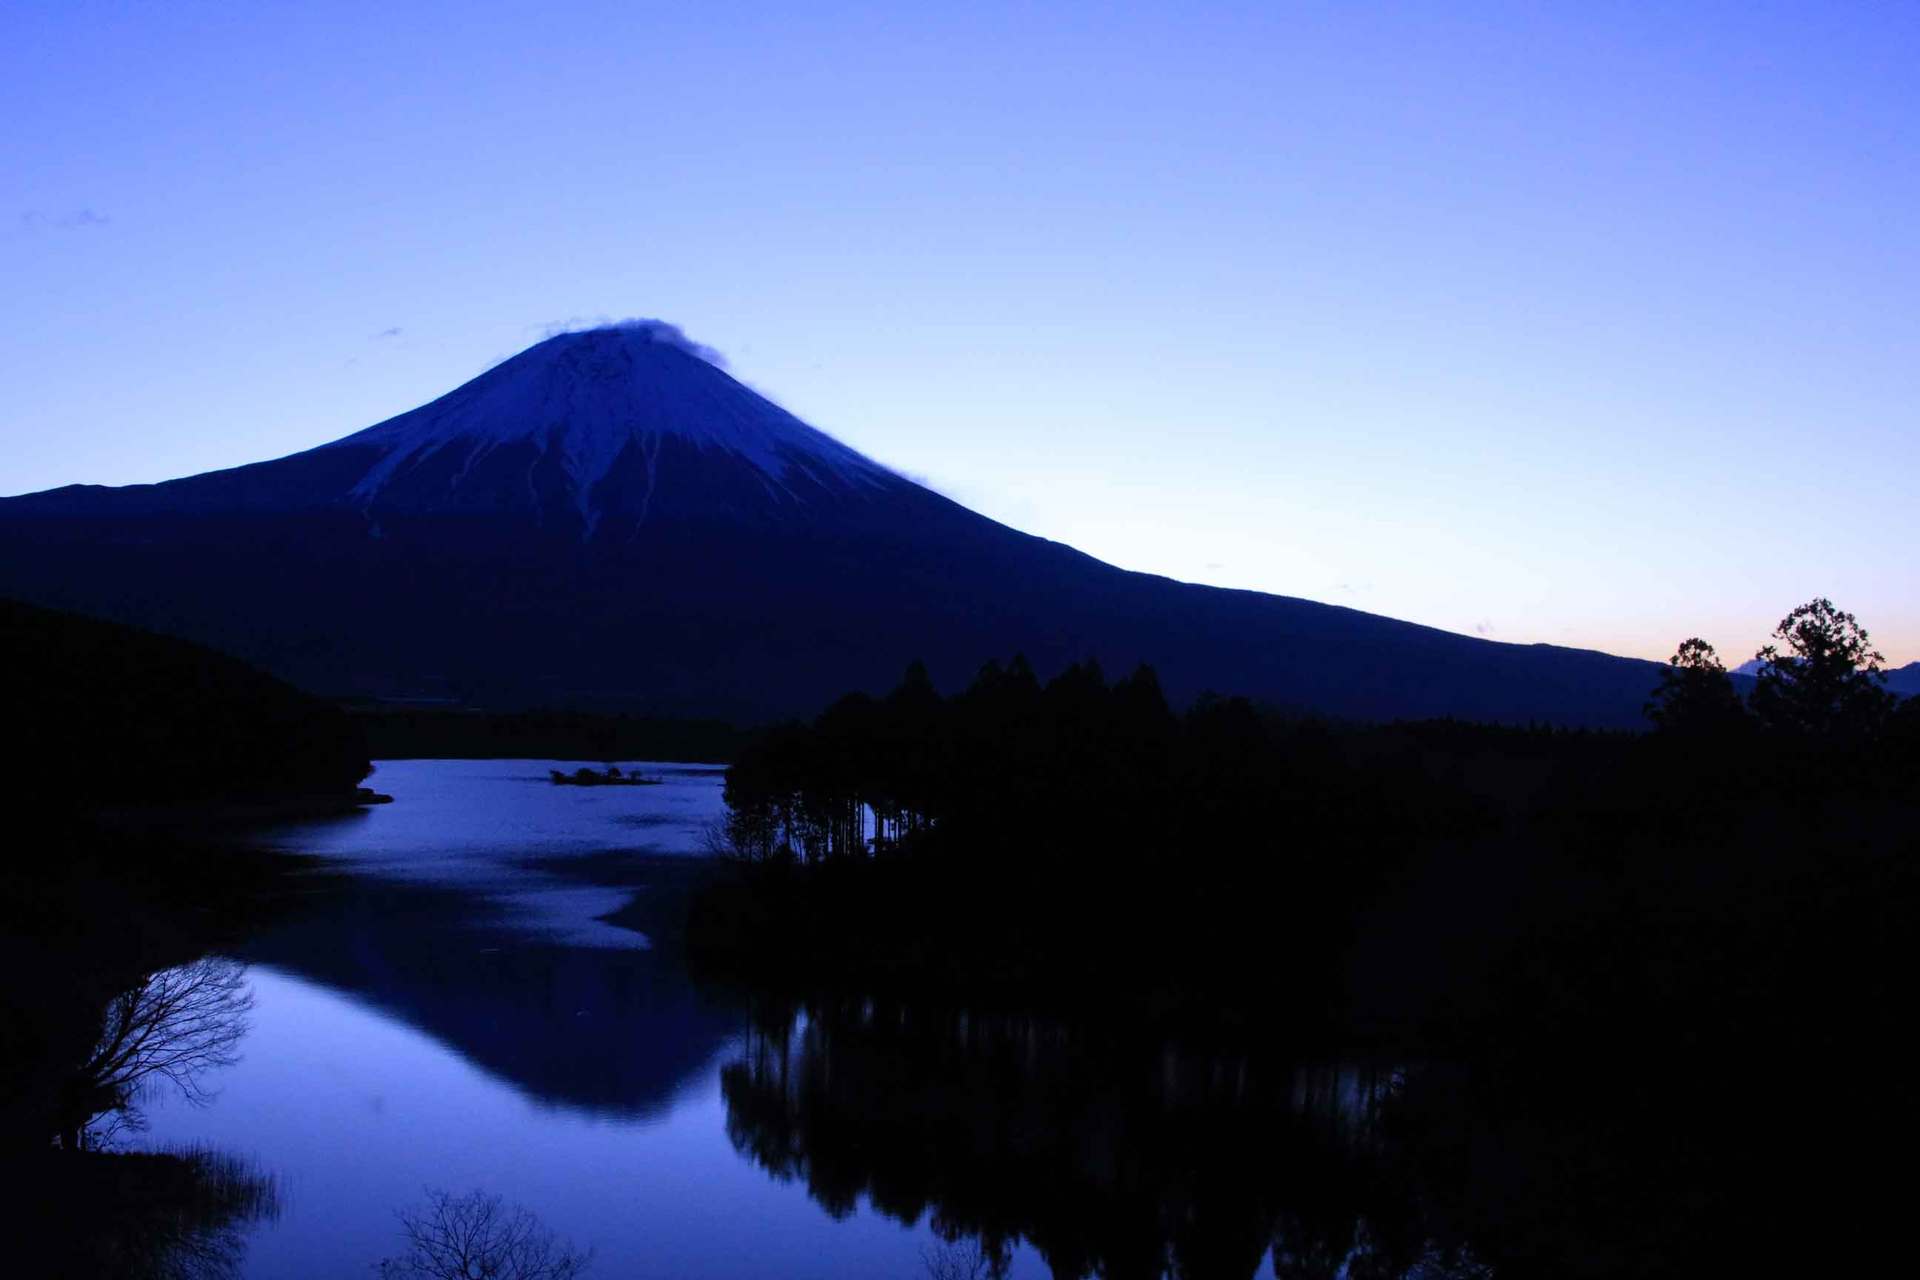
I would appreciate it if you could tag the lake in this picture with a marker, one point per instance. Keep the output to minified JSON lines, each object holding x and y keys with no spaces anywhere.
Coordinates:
{"x":452,"y":1012}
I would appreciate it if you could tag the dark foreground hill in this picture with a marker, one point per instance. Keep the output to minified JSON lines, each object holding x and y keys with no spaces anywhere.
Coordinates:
{"x":609,"y":520}
{"x":108,"y":715}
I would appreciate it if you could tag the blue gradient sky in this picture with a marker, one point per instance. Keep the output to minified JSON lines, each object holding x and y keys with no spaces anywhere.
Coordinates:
{"x":1587,"y":323}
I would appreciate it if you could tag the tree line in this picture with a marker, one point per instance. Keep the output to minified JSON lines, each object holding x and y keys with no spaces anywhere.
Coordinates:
{"x":1635,"y":963}
{"x":1078,"y":761}
{"x":1821,"y":689}
{"x":1054,"y":835}
{"x":1027,"y":831}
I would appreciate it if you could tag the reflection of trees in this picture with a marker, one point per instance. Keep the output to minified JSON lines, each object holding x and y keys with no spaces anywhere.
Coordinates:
{"x":140,"y":1216}
{"x":145,"y":1215}
{"x":480,"y":1237}
{"x":106,"y":991}
{"x":1109,"y":1156}
{"x":200,"y":1235}
{"x":963,"y":1260}
{"x":171,"y":1026}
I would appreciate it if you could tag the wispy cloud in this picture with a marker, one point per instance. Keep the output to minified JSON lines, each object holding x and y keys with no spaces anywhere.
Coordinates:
{"x":925,"y":482}
{"x":70,"y":220}
{"x":659,"y":331}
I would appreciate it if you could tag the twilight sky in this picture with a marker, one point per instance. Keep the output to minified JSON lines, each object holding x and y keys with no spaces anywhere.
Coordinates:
{"x":1586,"y":323}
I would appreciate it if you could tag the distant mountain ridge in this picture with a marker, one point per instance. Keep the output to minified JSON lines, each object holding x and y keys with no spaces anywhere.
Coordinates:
{"x":608,"y":519}
{"x":1904,"y":681}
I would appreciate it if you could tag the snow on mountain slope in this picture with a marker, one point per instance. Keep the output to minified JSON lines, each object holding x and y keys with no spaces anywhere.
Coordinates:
{"x":592,"y":398}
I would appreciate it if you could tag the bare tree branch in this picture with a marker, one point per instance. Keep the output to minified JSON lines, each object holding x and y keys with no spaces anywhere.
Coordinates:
{"x":174,"y":1025}
{"x":479,"y":1237}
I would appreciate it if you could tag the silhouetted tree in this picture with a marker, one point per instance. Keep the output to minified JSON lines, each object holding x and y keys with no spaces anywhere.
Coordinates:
{"x":1552,"y":901}
{"x":172,"y":1026}
{"x":1823,"y":681}
{"x":913,"y":765}
{"x":1696,"y":695}
{"x":1902,"y":740}
{"x":479,"y":1237}
{"x":1030,"y":827}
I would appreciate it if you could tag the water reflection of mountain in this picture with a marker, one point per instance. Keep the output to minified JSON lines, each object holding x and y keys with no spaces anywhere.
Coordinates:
{"x":1109,"y":1157}
{"x":610,"y":1032}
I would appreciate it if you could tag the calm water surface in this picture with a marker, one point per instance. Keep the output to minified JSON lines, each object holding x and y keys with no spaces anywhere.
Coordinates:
{"x":458,"y":1017}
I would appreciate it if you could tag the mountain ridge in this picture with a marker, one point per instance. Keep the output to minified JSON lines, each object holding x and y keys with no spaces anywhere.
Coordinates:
{"x":608,"y":519}
{"x":1904,"y":681}
{"x":593,"y":396}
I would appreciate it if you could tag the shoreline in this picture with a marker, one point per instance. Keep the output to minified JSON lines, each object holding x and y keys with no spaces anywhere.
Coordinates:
{"x":238,"y":812}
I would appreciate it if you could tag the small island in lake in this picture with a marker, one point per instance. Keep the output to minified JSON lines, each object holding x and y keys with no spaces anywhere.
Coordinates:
{"x":611,"y":776}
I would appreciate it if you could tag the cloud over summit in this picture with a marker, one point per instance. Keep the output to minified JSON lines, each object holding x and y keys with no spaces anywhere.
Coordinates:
{"x":661,"y":331}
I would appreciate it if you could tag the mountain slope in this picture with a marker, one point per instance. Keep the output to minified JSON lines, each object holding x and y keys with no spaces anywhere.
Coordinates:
{"x":1904,"y":681}
{"x":105,"y":715}
{"x":610,"y":519}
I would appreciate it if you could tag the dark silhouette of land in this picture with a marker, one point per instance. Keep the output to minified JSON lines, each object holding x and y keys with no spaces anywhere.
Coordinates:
{"x":1625,"y":966}
{"x":1075,"y":835}
{"x":1079,"y":833}
{"x":105,"y":716}
{"x":109,"y":925}
{"x":420,"y":733}
{"x":1152,"y":988}
{"x":107,"y":989}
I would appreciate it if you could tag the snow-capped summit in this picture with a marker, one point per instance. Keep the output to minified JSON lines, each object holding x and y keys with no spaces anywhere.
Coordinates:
{"x":600,"y":419}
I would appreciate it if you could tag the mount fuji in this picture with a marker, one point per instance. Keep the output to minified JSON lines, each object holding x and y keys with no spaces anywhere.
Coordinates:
{"x":608,"y":519}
